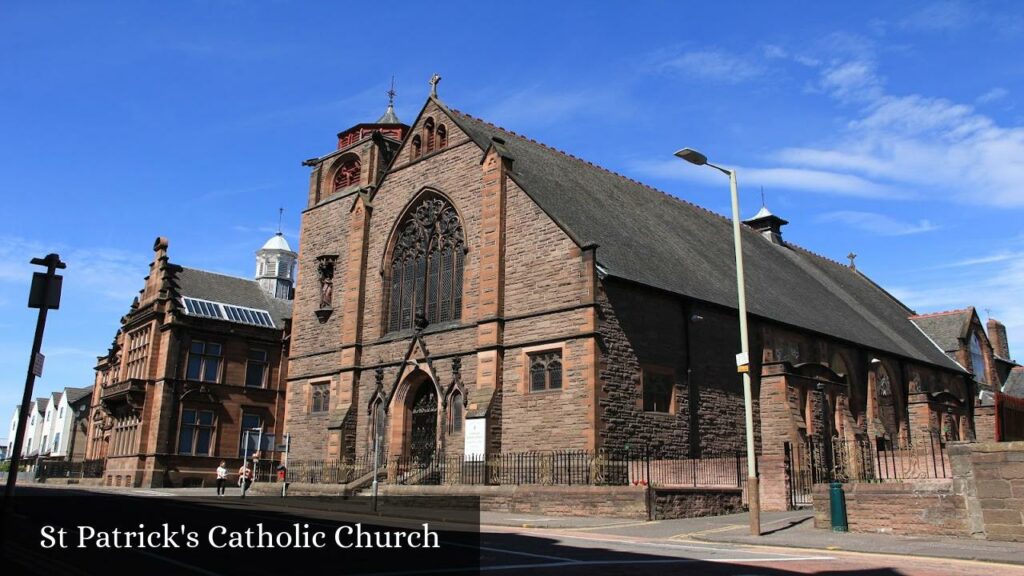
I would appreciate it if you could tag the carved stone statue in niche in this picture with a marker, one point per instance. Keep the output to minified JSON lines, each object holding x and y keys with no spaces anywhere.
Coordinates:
{"x":884,"y":386}
{"x":325,"y":273}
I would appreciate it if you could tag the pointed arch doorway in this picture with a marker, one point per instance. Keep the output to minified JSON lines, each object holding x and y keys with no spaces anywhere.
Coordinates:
{"x":415,"y":412}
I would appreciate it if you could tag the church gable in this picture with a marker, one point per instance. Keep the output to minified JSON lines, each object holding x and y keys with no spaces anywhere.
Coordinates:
{"x":432,"y":132}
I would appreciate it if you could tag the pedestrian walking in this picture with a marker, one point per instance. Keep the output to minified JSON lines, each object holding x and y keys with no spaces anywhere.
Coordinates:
{"x":222,"y":478}
{"x":245,"y":477}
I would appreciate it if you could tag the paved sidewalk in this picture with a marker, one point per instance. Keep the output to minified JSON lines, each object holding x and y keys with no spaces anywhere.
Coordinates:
{"x":794,"y":529}
{"x":798,"y":531}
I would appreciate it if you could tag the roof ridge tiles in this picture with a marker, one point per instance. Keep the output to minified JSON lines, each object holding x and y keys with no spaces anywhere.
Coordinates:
{"x":816,"y":255}
{"x":943,"y":313}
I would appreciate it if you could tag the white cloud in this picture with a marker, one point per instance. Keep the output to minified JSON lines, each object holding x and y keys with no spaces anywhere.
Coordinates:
{"x":940,"y":16}
{"x":716,"y":66}
{"x":915,"y":143}
{"x":537,"y":106}
{"x":997,"y":93}
{"x":109,"y":273}
{"x":878,"y":224}
{"x":806,"y":180}
{"x":992,"y":282}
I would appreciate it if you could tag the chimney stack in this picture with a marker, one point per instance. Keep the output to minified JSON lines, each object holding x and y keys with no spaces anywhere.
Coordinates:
{"x":997,"y":337}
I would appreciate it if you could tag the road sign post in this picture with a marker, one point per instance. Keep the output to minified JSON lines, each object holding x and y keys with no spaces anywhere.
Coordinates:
{"x":44,"y":295}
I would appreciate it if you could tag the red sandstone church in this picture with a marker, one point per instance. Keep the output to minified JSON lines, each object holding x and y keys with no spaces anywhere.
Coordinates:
{"x":475,"y":293}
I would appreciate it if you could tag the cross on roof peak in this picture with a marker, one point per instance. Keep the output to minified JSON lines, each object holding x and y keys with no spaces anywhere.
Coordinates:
{"x":434,"y":80}
{"x":852,"y":256}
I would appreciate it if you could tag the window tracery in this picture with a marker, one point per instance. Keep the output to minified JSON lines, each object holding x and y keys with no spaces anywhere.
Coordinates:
{"x":426,"y":266}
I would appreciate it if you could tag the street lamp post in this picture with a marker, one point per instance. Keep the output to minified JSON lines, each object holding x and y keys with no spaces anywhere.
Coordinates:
{"x":743,"y":360}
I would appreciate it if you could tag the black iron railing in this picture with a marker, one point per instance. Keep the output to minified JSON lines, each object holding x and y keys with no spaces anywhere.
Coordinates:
{"x":317,"y":471}
{"x":65,"y":469}
{"x":571,"y":467}
{"x":882,"y":459}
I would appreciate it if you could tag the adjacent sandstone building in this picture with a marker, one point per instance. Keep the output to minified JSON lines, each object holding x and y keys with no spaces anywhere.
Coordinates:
{"x":475,"y":292}
{"x":196,"y":372}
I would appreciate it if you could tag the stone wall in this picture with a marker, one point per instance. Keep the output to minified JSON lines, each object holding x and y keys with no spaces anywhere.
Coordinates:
{"x":983,"y":499}
{"x":668,"y":503}
{"x":991,"y":477}
{"x":985,"y":423}
{"x":609,"y":501}
{"x":632,"y":502}
{"x":911,"y":508}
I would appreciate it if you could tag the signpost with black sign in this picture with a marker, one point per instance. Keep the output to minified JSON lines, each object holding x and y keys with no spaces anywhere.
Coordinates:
{"x":44,"y":295}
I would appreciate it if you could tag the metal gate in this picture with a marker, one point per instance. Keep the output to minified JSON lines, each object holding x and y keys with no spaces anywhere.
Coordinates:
{"x":424,"y":424}
{"x":799,"y":464}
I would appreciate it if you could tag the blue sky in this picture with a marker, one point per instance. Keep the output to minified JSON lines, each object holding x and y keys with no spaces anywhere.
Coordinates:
{"x":890,"y":129}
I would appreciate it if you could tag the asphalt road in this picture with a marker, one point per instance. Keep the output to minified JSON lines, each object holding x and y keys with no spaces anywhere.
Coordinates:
{"x":463,"y":550}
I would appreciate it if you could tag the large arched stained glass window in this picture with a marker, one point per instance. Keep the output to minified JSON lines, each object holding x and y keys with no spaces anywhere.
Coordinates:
{"x":426,"y":265}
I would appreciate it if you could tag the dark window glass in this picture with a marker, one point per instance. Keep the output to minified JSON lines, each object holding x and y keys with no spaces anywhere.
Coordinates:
{"x":204,"y":361}
{"x":253,"y":424}
{"x":657,"y":391}
{"x":546,"y":371}
{"x":456,"y":424}
{"x":321,"y":401}
{"x":196,"y":435}
{"x":256,"y":369}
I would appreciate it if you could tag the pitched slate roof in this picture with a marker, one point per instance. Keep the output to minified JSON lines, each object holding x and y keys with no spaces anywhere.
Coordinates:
{"x":76,"y":394}
{"x":41,"y":404}
{"x":230,"y":290}
{"x":945,"y":328}
{"x":1014,"y":385}
{"x":647,"y":236}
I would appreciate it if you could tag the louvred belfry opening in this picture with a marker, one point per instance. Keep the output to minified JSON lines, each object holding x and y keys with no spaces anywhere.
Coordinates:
{"x":426,"y":265}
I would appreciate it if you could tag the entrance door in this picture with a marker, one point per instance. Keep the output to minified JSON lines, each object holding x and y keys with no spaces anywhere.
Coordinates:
{"x":424,"y":423}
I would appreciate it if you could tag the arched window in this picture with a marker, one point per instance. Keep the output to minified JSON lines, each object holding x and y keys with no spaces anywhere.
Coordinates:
{"x":428,"y":127}
{"x":442,"y":136}
{"x":978,"y":360}
{"x":426,"y":265}
{"x":455,"y":424}
{"x":417,"y":147}
{"x":347,"y":174}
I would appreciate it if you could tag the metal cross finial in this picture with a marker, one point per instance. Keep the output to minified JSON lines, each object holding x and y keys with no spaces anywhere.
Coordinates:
{"x":391,"y":92}
{"x":988,"y":312}
{"x":762,"y":196}
{"x":280,"y":215}
{"x":433,"y":84}
{"x":852,"y":256}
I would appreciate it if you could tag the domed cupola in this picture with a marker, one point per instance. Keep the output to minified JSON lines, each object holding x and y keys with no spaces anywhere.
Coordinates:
{"x":275,"y":267}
